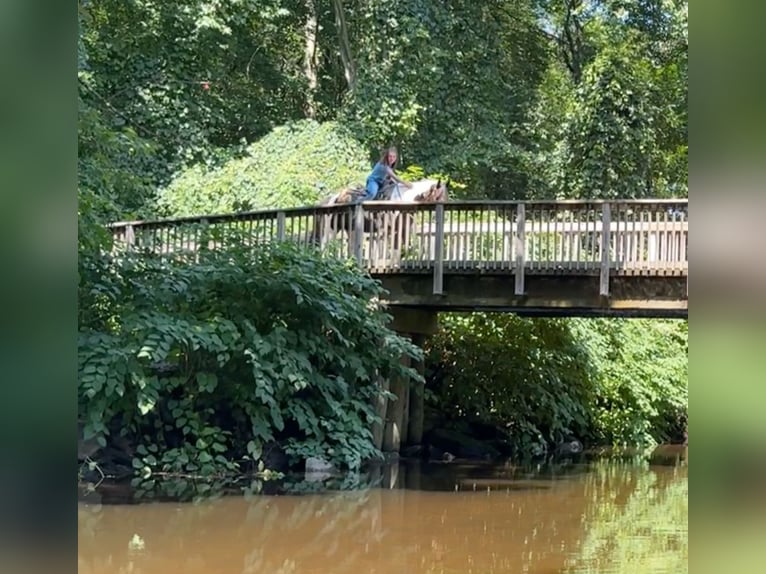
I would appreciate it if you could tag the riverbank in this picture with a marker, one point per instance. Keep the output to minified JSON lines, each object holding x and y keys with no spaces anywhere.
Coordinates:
{"x":390,"y":473}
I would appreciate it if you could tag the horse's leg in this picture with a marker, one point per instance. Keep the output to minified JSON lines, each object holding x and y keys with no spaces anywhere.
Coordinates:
{"x":315,"y":237}
{"x":329,"y":228}
{"x":404,"y":222}
{"x":411,"y":233}
{"x":377,"y":237}
{"x":394,"y":229}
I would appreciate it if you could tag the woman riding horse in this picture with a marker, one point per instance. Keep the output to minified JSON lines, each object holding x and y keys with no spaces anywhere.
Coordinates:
{"x":383,"y":172}
{"x":382,"y":184}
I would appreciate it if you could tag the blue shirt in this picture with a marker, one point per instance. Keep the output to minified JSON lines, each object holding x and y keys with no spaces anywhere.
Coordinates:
{"x":379,"y":173}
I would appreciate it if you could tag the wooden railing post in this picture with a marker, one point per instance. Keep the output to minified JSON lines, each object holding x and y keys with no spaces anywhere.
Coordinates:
{"x":358,"y":232}
{"x":205,"y":236}
{"x":130,"y":237}
{"x":520,"y":249}
{"x":280,"y":226}
{"x":439,"y":251}
{"x":606,"y":227}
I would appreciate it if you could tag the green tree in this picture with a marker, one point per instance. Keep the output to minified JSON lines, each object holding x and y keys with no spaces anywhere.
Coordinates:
{"x":530,"y":377}
{"x":449,"y":83}
{"x":195,"y":76}
{"x":611,"y":117}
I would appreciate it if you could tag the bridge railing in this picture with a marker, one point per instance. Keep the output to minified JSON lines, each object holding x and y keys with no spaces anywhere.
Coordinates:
{"x":561,"y":237}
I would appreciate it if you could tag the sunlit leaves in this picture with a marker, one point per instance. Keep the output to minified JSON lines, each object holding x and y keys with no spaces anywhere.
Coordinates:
{"x":294,"y":165}
{"x":617,"y":128}
{"x":603,"y":381}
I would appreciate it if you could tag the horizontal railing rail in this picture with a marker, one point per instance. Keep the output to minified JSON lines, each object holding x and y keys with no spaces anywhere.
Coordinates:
{"x":602,"y":238}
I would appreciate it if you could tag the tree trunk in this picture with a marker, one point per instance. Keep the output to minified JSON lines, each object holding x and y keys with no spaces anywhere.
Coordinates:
{"x":310,"y":56}
{"x":343,"y":43}
{"x":571,"y":40}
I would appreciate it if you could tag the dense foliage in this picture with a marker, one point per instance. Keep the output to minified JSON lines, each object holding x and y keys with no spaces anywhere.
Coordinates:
{"x":294,"y":165}
{"x":199,"y":366}
{"x":531,"y":98}
{"x":546,"y":380}
{"x":198,"y":106}
{"x":611,"y":116}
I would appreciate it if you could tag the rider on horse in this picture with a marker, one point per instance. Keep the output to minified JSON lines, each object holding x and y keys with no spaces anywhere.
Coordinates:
{"x":382,"y":173}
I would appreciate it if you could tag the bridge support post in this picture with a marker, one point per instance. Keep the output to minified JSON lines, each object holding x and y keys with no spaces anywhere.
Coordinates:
{"x":404,"y":416}
{"x":439,"y":251}
{"x":392,"y":434}
{"x":130,"y":238}
{"x":406,"y":409}
{"x":280,"y":226}
{"x":381,"y":406}
{"x":358,"y":234}
{"x":416,"y":402}
{"x":519,"y":250}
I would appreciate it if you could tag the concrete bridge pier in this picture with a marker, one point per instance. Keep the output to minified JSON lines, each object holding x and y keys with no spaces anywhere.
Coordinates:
{"x":403,"y":417}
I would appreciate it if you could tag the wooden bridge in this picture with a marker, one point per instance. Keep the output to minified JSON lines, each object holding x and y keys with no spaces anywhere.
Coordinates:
{"x":626,"y":257}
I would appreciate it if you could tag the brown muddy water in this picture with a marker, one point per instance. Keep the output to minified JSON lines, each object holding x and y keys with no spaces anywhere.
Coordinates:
{"x":615,"y":515}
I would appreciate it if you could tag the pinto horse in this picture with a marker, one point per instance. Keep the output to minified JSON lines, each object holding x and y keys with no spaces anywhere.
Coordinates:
{"x":330,"y":224}
{"x":422,"y":191}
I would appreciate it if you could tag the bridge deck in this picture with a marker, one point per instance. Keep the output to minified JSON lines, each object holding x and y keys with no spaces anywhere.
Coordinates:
{"x":587,"y":255}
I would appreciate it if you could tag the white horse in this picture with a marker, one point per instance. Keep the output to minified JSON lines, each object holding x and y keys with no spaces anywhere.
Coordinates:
{"x":421,"y":191}
{"x":394,"y":227}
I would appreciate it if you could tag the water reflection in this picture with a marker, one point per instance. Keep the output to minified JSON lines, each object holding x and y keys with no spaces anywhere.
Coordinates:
{"x":634,"y":526}
{"x":422,"y":519}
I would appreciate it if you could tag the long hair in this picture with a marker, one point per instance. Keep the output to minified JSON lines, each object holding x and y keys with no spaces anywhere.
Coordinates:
{"x":384,"y":156}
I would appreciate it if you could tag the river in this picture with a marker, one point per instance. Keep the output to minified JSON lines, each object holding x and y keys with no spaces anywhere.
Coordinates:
{"x":605,"y":515}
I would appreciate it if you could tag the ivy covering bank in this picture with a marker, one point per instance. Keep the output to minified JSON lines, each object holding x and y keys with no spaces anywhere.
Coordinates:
{"x":293,"y":166}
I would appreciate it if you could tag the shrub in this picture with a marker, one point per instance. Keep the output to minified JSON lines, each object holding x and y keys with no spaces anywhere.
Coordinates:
{"x":640,"y":378}
{"x":527,"y":376}
{"x":606,"y":381}
{"x":199,"y":365}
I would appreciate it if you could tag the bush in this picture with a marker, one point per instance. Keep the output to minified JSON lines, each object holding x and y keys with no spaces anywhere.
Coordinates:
{"x":526,"y":376}
{"x":295,"y":165}
{"x":199,"y":365}
{"x":605,"y":381}
{"x":640,"y":378}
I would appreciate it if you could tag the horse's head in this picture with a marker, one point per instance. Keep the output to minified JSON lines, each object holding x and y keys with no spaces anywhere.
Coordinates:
{"x":436,"y":192}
